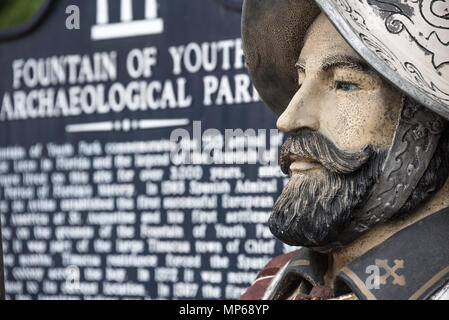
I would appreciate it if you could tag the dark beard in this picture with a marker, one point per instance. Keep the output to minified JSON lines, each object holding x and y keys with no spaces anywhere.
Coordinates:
{"x":315,"y":208}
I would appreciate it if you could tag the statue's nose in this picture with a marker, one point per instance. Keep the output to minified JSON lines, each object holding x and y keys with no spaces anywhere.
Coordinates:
{"x":301,"y":113}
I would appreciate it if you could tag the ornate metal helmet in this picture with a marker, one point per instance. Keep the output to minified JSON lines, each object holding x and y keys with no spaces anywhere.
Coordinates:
{"x":407,"y":42}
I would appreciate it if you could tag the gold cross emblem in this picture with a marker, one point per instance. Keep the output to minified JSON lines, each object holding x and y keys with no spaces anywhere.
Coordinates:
{"x":391,"y":272}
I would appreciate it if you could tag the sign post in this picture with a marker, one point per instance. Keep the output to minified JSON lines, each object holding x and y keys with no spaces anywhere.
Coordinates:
{"x":2,"y":271}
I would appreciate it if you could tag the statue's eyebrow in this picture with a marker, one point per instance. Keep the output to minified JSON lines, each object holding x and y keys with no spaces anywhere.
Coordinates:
{"x":300,"y":65}
{"x":341,"y":61}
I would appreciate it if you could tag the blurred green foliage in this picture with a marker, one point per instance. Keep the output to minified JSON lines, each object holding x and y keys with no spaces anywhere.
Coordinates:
{"x":16,"y":12}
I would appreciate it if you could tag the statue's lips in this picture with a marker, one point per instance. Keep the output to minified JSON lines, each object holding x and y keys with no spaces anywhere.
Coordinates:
{"x":301,"y":165}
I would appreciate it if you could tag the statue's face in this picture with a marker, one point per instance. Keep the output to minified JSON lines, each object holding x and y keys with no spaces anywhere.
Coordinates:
{"x":342,"y":120}
{"x":339,"y":95}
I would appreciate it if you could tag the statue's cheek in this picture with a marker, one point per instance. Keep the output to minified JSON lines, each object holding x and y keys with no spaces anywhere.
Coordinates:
{"x":356,"y":120}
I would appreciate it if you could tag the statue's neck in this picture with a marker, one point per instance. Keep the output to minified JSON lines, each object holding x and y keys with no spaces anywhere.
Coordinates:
{"x":382,"y":232}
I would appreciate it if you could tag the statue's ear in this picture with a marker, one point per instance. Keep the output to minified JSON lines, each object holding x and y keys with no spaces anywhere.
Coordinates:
{"x":273,"y":34}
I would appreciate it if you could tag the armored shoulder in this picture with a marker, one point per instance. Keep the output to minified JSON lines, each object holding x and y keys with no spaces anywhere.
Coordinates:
{"x":264,"y":278}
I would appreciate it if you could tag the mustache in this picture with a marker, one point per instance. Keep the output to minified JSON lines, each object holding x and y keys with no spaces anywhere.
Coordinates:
{"x":313,"y":146}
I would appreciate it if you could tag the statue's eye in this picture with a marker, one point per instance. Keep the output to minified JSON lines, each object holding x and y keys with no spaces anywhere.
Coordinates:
{"x":346,"y":86}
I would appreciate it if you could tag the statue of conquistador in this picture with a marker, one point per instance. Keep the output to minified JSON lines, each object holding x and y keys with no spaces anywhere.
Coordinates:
{"x":362,"y":89}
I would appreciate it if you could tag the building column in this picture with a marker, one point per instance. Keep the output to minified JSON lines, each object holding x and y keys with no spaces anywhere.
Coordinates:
{"x":102,"y":11}
{"x":150,"y":9}
{"x":126,"y":10}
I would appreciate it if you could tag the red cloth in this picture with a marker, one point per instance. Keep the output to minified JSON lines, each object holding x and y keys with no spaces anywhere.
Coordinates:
{"x":264,"y":278}
{"x":317,"y":293}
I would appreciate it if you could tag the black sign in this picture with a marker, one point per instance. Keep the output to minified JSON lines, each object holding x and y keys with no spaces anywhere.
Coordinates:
{"x":136,"y":158}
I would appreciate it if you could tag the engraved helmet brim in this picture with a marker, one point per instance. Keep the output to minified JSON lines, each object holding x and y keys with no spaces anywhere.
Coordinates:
{"x":406,"y":42}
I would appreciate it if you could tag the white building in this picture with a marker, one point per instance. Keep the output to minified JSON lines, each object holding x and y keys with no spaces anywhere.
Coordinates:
{"x":127,"y":27}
